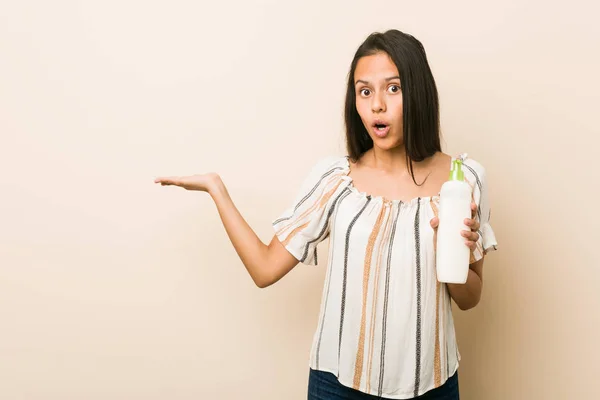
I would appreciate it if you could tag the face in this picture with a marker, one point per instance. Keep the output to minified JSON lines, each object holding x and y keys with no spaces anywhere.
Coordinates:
{"x":379,"y":99}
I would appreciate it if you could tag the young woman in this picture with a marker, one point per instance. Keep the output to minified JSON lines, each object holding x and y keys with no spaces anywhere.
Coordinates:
{"x":385,"y":327}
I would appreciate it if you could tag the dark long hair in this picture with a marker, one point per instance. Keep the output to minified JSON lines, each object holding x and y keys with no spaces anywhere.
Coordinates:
{"x":420,"y":104}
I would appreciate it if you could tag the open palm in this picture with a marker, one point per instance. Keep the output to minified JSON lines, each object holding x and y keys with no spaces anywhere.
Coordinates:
{"x":199,"y":182}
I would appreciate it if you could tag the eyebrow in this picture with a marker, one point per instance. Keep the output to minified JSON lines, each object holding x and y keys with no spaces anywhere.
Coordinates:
{"x":391,"y":78}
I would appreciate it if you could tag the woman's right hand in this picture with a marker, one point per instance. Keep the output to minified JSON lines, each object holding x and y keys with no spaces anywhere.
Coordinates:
{"x":266,"y":264}
{"x":200,"y":182}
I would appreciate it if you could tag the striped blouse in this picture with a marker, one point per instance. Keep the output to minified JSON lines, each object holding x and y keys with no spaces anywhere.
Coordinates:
{"x":385,"y":325}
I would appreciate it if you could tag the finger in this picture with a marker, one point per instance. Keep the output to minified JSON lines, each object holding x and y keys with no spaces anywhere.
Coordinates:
{"x":471,"y":245}
{"x":472,"y":223}
{"x":168,"y":180}
{"x":163,"y":181}
{"x":473,"y":209}
{"x":434,"y":222}
{"x":470,"y":235}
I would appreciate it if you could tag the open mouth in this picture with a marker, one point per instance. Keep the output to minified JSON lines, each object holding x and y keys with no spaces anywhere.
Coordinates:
{"x":381,"y":128}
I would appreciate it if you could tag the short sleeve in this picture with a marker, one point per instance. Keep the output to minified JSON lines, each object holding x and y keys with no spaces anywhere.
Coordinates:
{"x":476,"y":175}
{"x":305,"y":223}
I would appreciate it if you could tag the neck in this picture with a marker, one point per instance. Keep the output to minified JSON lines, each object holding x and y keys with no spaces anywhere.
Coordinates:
{"x":393,"y":160}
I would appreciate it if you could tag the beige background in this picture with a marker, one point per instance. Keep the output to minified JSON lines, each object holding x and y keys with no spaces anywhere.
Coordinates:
{"x":114,"y":288}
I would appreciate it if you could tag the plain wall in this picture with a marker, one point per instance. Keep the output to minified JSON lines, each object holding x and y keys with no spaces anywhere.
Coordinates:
{"x":112,"y":287}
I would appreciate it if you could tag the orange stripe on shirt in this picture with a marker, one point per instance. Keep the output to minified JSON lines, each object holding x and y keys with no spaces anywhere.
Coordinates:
{"x":366,"y":272}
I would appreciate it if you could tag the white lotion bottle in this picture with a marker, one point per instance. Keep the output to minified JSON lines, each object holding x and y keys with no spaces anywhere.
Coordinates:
{"x":452,"y":254}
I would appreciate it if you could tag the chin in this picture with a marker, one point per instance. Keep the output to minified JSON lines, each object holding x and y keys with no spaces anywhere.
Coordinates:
{"x":387,"y":143}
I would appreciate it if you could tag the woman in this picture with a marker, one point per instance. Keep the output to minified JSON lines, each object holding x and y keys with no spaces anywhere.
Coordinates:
{"x":385,"y":326}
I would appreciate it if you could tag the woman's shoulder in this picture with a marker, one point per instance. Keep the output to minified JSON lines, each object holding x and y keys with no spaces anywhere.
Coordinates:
{"x":473,"y":166}
{"x":328,"y":164}
{"x":324,"y":171}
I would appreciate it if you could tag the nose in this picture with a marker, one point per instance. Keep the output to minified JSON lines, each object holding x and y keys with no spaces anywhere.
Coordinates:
{"x":378,"y":103}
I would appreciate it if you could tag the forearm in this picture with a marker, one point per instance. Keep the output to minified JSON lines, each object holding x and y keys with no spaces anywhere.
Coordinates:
{"x":251,"y":250}
{"x":467,"y":295}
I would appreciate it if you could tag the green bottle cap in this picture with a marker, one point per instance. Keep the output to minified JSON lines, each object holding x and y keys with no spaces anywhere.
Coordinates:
{"x":456,"y":173}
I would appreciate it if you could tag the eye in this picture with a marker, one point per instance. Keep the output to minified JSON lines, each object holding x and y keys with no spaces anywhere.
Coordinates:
{"x":394,"y":89}
{"x":365,"y":92}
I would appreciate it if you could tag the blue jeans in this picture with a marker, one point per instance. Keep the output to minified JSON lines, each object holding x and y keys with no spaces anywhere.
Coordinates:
{"x":325,"y":386}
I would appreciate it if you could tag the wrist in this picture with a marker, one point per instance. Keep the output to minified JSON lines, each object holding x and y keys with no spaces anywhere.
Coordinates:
{"x":215,"y":185}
